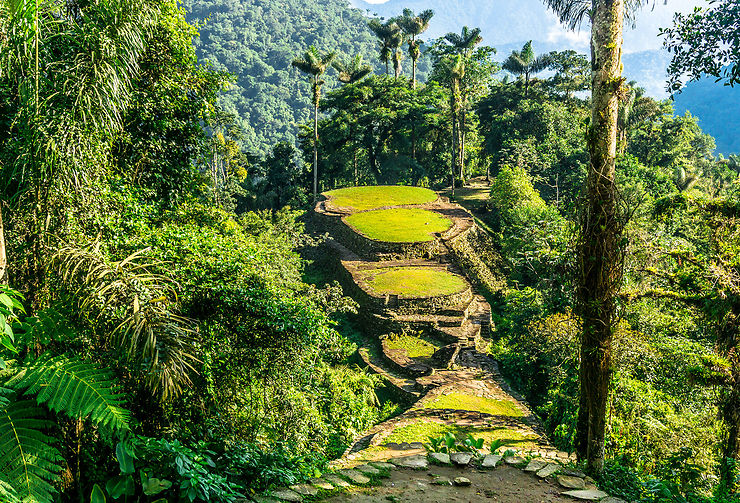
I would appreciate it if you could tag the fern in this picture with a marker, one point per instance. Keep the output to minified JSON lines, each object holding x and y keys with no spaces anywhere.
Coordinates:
{"x":29,"y":464}
{"x":75,"y":387}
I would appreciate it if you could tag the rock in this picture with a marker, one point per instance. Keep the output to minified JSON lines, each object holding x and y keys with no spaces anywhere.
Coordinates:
{"x":304,"y":489}
{"x":416,"y":445}
{"x":461,"y":458}
{"x":514,"y":460}
{"x":461,"y":481}
{"x":367,"y":470}
{"x":586,"y":495}
{"x":336,"y":480}
{"x":571,"y":482}
{"x":442,"y":481}
{"x":490,"y":461}
{"x":590,"y":483}
{"x":549,"y":469}
{"x":535,"y":465}
{"x":612,"y":499}
{"x":287,"y":495}
{"x":445,"y":356}
{"x":321,"y":484}
{"x":441,"y":458}
{"x":355,"y":477}
{"x":417,"y":462}
{"x":380,"y":465}
{"x":264,"y":499}
{"x":573,"y":473}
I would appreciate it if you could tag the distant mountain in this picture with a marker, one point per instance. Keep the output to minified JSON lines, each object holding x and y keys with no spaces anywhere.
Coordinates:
{"x":718,"y":109}
{"x":256,"y":41}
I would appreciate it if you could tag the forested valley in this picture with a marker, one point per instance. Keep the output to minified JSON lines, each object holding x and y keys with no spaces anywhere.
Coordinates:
{"x":180,"y":323}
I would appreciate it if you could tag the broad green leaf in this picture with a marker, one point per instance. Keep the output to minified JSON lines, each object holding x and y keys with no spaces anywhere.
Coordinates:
{"x":97,"y":495}
{"x":125,"y":461}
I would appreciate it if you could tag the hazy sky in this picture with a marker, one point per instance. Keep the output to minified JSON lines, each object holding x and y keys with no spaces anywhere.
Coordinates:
{"x":643,"y":38}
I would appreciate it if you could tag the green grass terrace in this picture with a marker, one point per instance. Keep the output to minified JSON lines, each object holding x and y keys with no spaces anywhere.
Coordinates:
{"x":399,"y":225}
{"x":414,"y":281}
{"x":370,"y":198}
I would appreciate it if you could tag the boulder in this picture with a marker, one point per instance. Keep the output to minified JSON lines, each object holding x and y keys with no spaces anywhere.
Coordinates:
{"x":461,"y":481}
{"x":335,"y":480}
{"x":417,"y":462}
{"x":548,"y":470}
{"x":304,"y":489}
{"x":367,"y":470}
{"x":321,"y":484}
{"x":535,"y":465}
{"x":287,"y":495}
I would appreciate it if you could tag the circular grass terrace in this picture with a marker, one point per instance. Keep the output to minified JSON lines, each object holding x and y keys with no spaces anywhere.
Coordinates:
{"x":414,"y":282}
{"x":399,"y":225}
{"x":370,"y":198}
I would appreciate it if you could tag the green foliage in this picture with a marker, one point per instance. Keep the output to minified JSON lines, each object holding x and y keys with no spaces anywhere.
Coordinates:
{"x":71,"y":385}
{"x":30,"y":463}
{"x":448,"y":443}
{"x":256,"y":41}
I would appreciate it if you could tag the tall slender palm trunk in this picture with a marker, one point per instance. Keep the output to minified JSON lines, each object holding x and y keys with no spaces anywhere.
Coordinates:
{"x":3,"y":252}
{"x":316,"y":152}
{"x":600,"y":246}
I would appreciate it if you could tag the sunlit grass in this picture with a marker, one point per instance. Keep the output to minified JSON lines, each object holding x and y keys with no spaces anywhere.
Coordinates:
{"x":462,"y":401}
{"x":414,"y":281}
{"x":420,"y":431}
{"x":368,"y":198}
{"x":415,"y":347}
{"x":399,"y":225}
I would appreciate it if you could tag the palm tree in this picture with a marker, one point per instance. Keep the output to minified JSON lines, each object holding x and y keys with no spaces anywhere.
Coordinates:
{"x":413,"y":26}
{"x":634,"y":109}
{"x":349,"y":73}
{"x":463,"y":45}
{"x":388,"y":33}
{"x":600,"y":248}
{"x":315,"y":64}
{"x":454,"y":70}
{"x":525,"y":63}
{"x":353,"y":70}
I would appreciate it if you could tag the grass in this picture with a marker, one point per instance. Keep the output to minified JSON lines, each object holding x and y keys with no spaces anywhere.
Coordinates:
{"x":368,"y":198}
{"x":414,"y":281}
{"x":399,"y":225}
{"x":415,"y":347}
{"x":461,"y":401}
{"x":420,"y":431}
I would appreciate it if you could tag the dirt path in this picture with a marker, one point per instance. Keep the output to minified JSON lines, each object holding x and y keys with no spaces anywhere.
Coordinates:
{"x":504,"y":485}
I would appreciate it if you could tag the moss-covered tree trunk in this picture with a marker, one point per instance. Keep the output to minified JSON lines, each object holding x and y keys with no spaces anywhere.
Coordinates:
{"x":600,"y":246}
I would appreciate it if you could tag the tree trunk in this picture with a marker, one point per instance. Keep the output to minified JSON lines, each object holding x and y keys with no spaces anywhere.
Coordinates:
{"x":600,"y":251}
{"x":454,"y":149}
{"x":413,"y":73}
{"x":462,"y":144}
{"x":316,"y":143}
{"x":3,"y":252}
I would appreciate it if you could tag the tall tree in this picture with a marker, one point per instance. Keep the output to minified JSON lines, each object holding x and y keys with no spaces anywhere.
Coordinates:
{"x":525,"y":63}
{"x":705,"y":42}
{"x":388,"y":34}
{"x":454,"y":69}
{"x":414,"y":25}
{"x":314,"y":64}
{"x":600,"y":247}
{"x":463,"y":45}
{"x":351,"y":71}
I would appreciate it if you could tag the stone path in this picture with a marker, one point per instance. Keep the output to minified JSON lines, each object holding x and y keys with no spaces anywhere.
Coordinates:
{"x":457,"y":389}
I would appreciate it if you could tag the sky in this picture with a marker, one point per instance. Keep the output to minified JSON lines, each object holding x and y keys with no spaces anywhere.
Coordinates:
{"x":642,"y":38}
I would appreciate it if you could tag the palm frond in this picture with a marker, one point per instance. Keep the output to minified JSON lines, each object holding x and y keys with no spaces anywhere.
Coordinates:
{"x":29,"y":463}
{"x":76,"y":387}
{"x":136,"y":306}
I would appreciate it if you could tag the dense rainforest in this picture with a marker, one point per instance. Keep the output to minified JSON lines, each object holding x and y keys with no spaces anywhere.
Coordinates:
{"x":168,"y":333}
